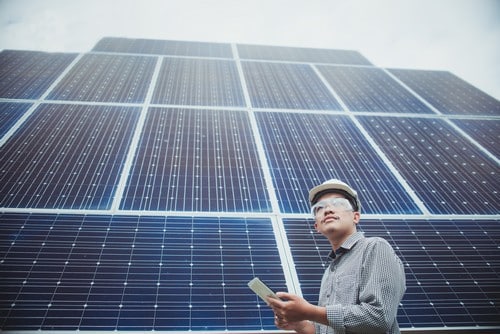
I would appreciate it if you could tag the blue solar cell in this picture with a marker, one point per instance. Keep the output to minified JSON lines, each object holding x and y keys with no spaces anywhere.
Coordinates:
{"x":66,"y":156}
{"x":486,"y":132}
{"x":206,"y":82}
{"x":196,"y":160}
{"x":308,"y":55}
{"x":135,"y":285}
{"x":10,"y":114}
{"x":449,"y":174}
{"x":306,"y":149}
{"x":371,"y":89}
{"x":28,"y":74}
{"x":107,"y":78}
{"x":443,"y":288}
{"x":163,"y":47}
{"x":448,"y":93}
{"x":286,"y":86}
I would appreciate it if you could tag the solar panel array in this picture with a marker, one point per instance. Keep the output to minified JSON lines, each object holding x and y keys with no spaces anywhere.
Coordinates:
{"x":451,"y":275}
{"x":196,"y":160}
{"x":205,"y":82}
{"x":66,"y":157}
{"x":144,"y":183}
{"x":27,"y":75}
{"x":111,"y":272}
{"x":286,"y":86}
{"x":447,"y":93}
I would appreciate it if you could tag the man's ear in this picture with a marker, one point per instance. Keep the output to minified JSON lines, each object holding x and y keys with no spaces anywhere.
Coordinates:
{"x":316,"y":227}
{"x":357,"y":216}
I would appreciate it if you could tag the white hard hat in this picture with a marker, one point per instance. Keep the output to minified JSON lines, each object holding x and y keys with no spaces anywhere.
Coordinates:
{"x":335,"y":186}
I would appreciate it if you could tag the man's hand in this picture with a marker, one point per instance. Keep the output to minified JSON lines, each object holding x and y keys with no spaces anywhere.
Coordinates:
{"x":293,"y":312}
{"x":290,"y":307}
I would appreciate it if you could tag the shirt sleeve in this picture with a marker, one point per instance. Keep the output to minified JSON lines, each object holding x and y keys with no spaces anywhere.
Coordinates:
{"x":381,"y":288}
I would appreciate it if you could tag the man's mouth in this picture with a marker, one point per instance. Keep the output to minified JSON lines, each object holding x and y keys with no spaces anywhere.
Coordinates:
{"x":329,"y":219}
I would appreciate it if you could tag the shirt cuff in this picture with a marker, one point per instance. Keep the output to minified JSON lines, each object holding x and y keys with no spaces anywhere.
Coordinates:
{"x":335,"y":316}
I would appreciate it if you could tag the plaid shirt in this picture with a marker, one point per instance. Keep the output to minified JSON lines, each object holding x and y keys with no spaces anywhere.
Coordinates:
{"x":362,"y":287}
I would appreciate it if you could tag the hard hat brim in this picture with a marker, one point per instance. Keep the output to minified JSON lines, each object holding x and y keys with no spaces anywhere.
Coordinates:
{"x":334,"y":187}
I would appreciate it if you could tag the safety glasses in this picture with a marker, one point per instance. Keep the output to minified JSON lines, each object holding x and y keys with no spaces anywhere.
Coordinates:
{"x":336,"y":204}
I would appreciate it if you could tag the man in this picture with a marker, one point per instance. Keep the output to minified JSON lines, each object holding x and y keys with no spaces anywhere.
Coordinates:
{"x":364,"y":283}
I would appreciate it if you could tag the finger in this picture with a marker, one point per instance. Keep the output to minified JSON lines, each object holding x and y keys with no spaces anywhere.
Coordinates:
{"x":273,"y":302}
{"x":280,"y":322}
{"x":285,"y":295}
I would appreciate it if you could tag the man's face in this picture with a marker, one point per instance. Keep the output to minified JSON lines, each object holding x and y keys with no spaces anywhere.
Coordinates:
{"x":335,"y":218}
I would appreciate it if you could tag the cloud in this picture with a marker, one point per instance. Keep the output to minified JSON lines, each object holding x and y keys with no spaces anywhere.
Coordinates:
{"x":460,"y":36}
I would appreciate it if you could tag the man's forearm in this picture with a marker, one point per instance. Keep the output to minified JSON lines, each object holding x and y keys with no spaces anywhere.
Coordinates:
{"x":318,"y":314}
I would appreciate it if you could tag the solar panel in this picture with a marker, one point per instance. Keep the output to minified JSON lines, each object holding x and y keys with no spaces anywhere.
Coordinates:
{"x":371,"y":89}
{"x":452,"y":271}
{"x":196,"y":160}
{"x":198,"y":82}
{"x":448,"y":93}
{"x":143,"y":184}
{"x":297,"y":54}
{"x":107,"y":78}
{"x":93,"y":272}
{"x":10,"y":113}
{"x":449,"y":174}
{"x":286,"y":86}
{"x":66,"y":156}
{"x":305,"y":149}
{"x":163,"y":47}
{"x":27,"y":74}
{"x":486,"y":132}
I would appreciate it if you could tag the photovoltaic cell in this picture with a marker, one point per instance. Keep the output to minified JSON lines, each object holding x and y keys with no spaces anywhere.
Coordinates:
{"x":66,"y":156}
{"x":485,"y":132}
{"x":28,"y":74}
{"x":113,"y":269}
{"x":449,"y":174}
{"x":304,"y":150}
{"x":448,"y":93}
{"x":163,"y":47}
{"x":198,"y":82}
{"x":10,"y":114}
{"x":452,"y":272}
{"x":107,"y":78}
{"x":286,"y":86}
{"x":306,"y":55}
{"x":92,"y":272}
{"x":196,"y":160}
{"x":371,"y":89}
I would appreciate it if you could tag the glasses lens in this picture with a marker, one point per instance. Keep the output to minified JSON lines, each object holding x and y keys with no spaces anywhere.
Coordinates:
{"x":337,"y":204}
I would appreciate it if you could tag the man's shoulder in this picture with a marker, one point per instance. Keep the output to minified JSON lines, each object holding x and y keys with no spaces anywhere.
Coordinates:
{"x":376,"y":240}
{"x":370,"y":242}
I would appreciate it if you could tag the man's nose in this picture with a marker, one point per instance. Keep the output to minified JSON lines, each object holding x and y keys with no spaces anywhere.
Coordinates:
{"x":329,"y":209}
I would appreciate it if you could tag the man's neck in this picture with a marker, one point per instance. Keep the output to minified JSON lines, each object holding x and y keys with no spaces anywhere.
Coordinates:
{"x":338,"y":241}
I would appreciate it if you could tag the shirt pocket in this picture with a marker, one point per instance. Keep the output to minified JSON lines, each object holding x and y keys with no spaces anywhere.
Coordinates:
{"x":346,"y":289}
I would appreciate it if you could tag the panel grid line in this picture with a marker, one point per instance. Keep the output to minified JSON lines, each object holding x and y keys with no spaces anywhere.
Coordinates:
{"x":135,"y":140}
{"x":377,"y":149}
{"x":473,"y":141}
{"x":37,"y":102}
{"x":279,"y":232}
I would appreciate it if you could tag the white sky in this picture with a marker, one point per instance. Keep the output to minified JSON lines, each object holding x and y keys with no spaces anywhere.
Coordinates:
{"x":460,"y":36}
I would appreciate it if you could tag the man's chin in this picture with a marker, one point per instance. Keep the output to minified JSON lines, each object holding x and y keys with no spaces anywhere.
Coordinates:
{"x":329,"y":229}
